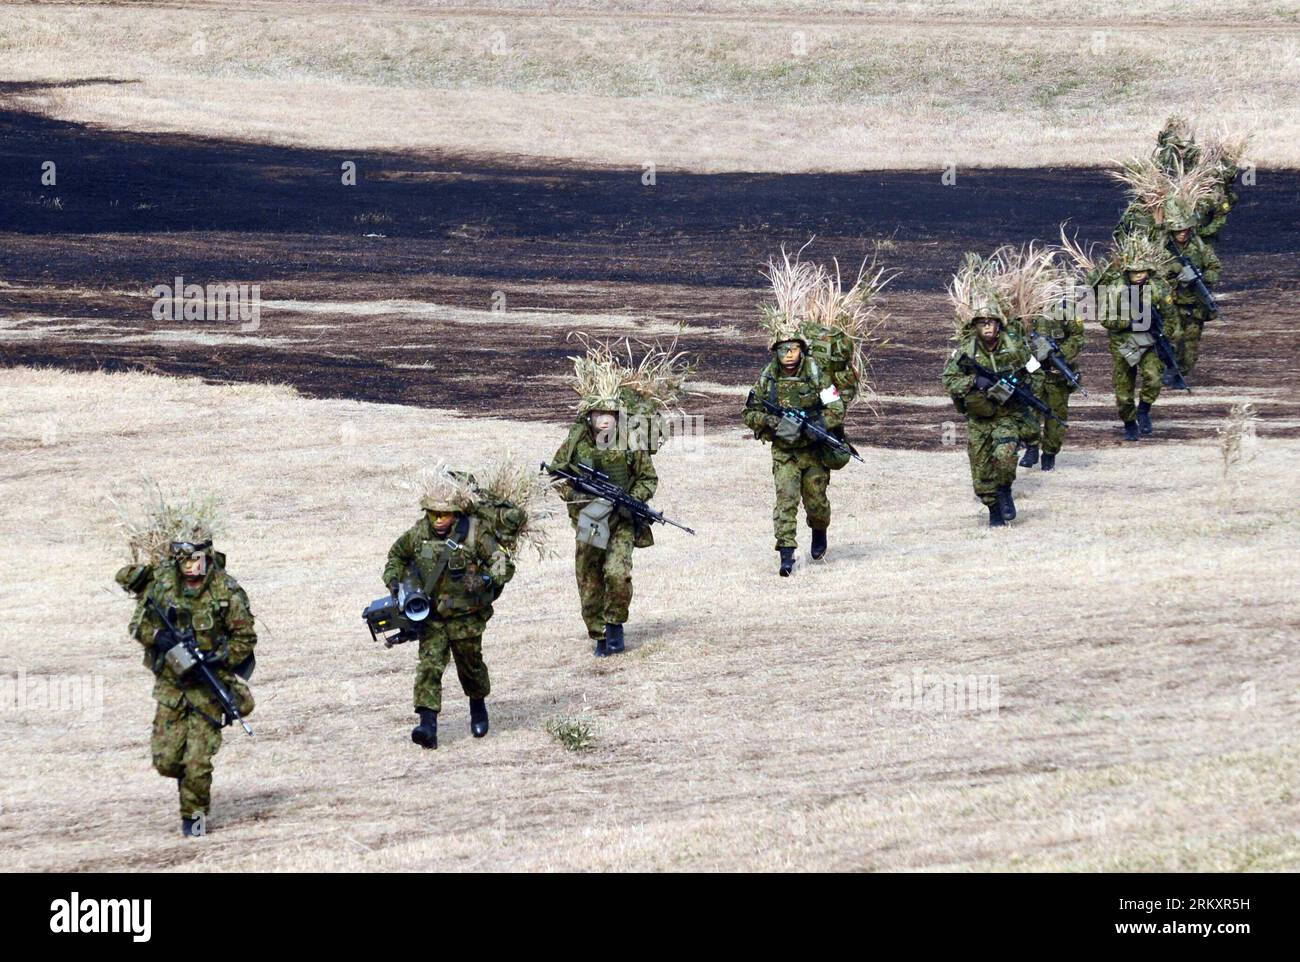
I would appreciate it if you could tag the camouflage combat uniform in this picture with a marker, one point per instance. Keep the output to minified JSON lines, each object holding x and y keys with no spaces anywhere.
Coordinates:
{"x":605,"y":576}
{"x":1135,"y":218}
{"x":1213,"y":212}
{"x":797,"y":467}
{"x":1063,"y":325}
{"x":1132,"y":351}
{"x":461,"y":590}
{"x":188,"y":720}
{"x":993,"y":428}
{"x":1192,"y":314}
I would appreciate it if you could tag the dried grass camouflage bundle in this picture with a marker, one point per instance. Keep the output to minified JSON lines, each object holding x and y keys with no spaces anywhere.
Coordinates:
{"x":439,"y":488}
{"x":1224,"y":152}
{"x":1177,"y":127}
{"x":793,"y":282}
{"x":973,"y":293}
{"x":1140,"y":251}
{"x":507,"y":479}
{"x":1027,"y":281}
{"x":151,"y":523}
{"x":1083,"y":264}
{"x":502,"y":479}
{"x":608,"y":369}
{"x":1153,"y":188}
{"x":851,"y":312}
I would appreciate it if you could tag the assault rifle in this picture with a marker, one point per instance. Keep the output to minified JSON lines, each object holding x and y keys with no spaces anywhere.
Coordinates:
{"x":810,"y":425}
{"x":1172,"y":377}
{"x":1056,"y":357}
{"x":1198,"y":282}
{"x":1004,"y":387}
{"x":597,"y":484}
{"x":180,"y":652}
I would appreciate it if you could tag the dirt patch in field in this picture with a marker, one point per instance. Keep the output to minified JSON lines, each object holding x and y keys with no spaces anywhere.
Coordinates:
{"x":453,"y":282}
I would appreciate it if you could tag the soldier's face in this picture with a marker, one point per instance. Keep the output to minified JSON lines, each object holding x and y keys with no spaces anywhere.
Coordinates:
{"x":603,"y":423}
{"x":1137,"y":277}
{"x":1182,"y":236}
{"x":194,"y":567}
{"x":442,"y":521}
{"x":987,"y":328}
{"x":791,"y":354}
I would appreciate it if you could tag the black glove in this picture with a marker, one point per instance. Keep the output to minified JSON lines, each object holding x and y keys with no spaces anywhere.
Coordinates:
{"x":164,"y":641}
{"x":392,"y":588}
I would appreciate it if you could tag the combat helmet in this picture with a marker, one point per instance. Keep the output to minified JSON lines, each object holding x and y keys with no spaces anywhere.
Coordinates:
{"x":444,"y":491}
{"x":1177,"y":216}
{"x":1177,"y":132}
{"x":1140,"y":251}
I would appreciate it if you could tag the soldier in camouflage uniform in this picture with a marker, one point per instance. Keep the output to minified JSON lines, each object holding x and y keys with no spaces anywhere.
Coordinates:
{"x":462,"y":568}
{"x":793,"y":380}
{"x":1213,"y":212}
{"x":1179,"y":228}
{"x":604,"y":574}
{"x":993,"y":426}
{"x":192,"y":585}
{"x":1062,"y":323}
{"x":1176,"y":147}
{"x":1136,"y":272}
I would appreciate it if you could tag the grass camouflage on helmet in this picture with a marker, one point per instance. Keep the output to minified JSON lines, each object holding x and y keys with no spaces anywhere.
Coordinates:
{"x":1167,"y":196}
{"x":608,"y":376}
{"x":152,"y":523}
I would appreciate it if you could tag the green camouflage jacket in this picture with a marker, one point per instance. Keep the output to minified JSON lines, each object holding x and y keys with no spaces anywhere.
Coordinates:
{"x":632,"y":470}
{"x":477,"y":566}
{"x":808,"y":389}
{"x":1202,"y":255}
{"x":1065,"y":327}
{"x":218,"y":612}
{"x":1008,"y":356}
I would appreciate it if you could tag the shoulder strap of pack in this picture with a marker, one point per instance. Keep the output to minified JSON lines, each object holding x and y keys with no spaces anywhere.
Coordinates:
{"x":462,"y":532}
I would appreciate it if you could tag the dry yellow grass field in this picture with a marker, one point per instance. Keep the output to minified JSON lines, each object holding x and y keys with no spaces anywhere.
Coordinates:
{"x":779,"y":86}
{"x":1132,"y":640}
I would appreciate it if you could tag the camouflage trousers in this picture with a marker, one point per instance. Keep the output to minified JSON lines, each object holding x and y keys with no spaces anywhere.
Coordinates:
{"x":799,"y":474}
{"x":605,"y":580}
{"x":992,"y":445}
{"x":1126,"y":376}
{"x":1055,"y":393}
{"x":460,"y":639}
{"x":183,"y":745}
{"x":1191,"y":324}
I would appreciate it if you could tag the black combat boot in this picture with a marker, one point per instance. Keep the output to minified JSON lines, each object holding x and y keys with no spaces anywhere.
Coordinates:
{"x":192,"y":827}
{"x":1005,"y":504}
{"x":787,"y":561}
{"x":1130,"y":430}
{"x":818,"y":549}
{"x":478,"y":719}
{"x":1030,"y":457}
{"x":601,"y":650}
{"x":614,"y":639}
{"x":995,"y":516}
{"x":1144,"y":417}
{"x":1049,"y":461}
{"x":425,"y":734}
